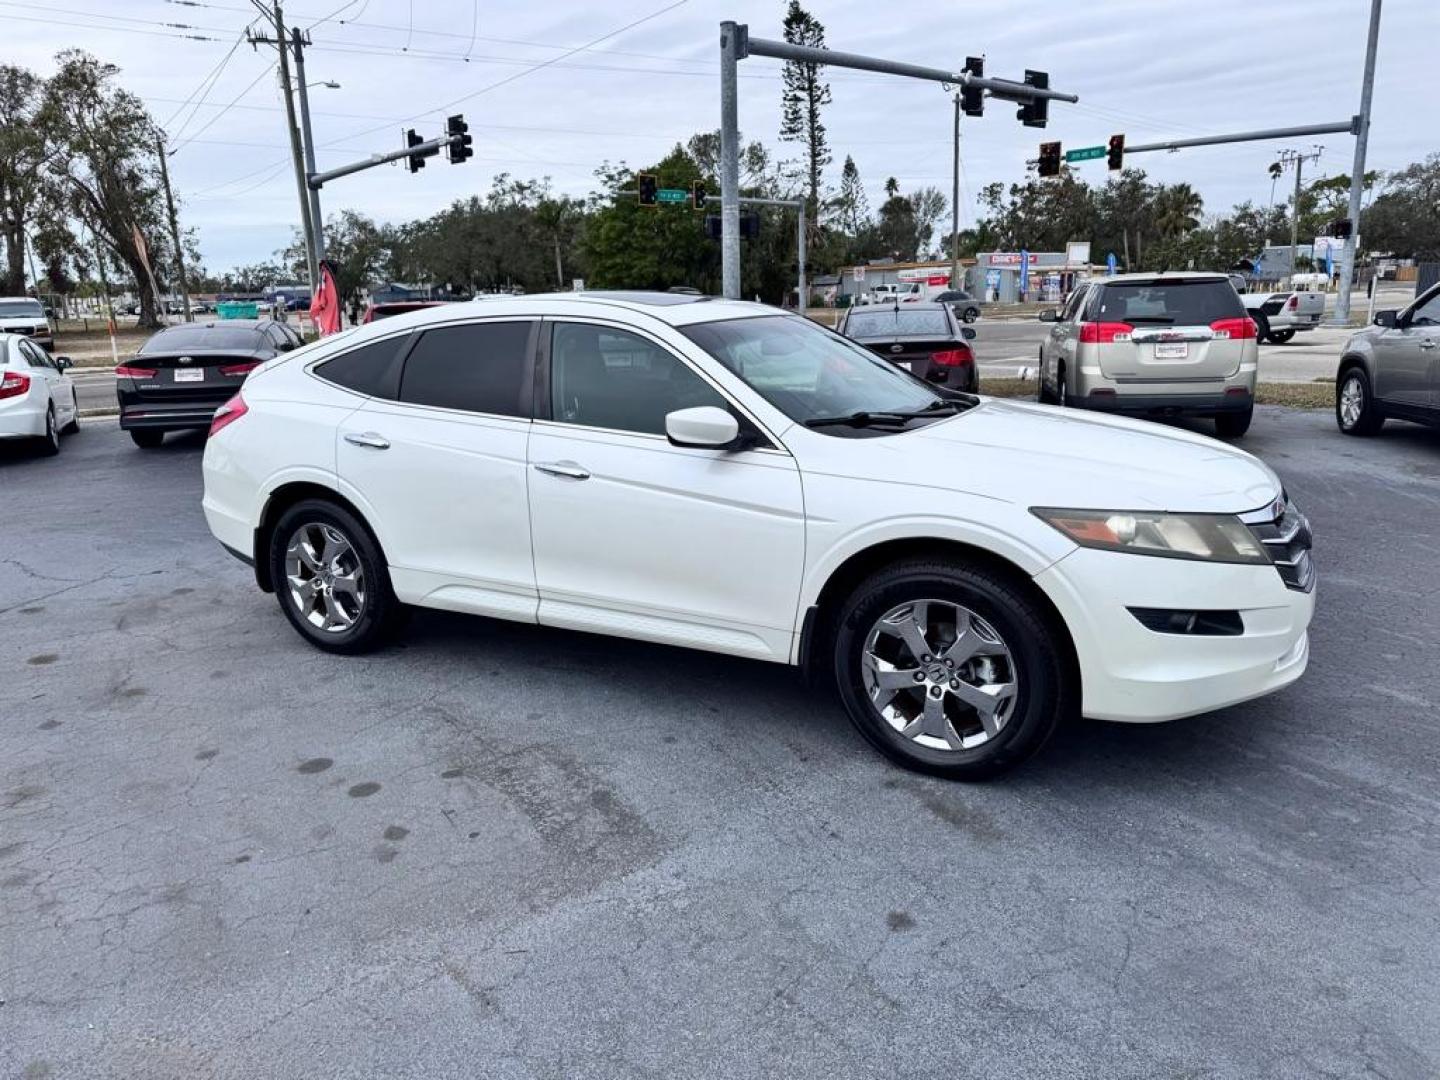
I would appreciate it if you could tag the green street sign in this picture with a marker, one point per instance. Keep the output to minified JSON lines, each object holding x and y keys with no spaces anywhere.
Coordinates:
{"x":670,"y":194}
{"x":1085,"y":153}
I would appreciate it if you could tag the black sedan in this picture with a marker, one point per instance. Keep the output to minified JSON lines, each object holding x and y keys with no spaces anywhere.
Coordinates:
{"x":184,"y":373}
{"x":924,"y":339}
{"x":965,"y":306}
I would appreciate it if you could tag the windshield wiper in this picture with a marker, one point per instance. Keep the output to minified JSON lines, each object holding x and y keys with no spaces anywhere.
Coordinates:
{"x":938,"y":407}
{"x":859,"y":419}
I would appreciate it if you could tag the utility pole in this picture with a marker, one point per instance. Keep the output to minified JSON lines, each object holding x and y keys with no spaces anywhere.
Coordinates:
{"x":174,"y":225}
{"x":317,"y":223}
{"x":955,"y":204}
{"x":277,"y":17}
{"x":1297,"y":159}
{"x":730,"y":53}
{"x":1357,"y":172}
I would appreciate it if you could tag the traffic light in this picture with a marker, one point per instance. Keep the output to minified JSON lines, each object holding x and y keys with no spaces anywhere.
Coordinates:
{"x":1036,"y":111}
{"x":414,"y":162}
{"x":750,"y":226}
{"x":1049,"y":159}
{"x":697,"y":194}
{"x":1342,"y":229}
{"x":712,"y":226}
{"x":460,"y":145}
{"x":972,"y":98}
{"x":1115,"y":156}
{"x":647,"y":185}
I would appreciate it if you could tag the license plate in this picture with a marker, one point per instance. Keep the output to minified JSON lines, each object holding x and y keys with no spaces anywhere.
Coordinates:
{"x":189,"y":375}
{"x":1173,"y":350}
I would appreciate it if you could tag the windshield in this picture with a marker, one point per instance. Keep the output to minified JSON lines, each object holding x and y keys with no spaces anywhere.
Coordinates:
{"x":1175,"y":303}
{"x":21,"y":309}
{"x":244,"y":338}
{"x":865,"y":324}
{"x":808,"y":372}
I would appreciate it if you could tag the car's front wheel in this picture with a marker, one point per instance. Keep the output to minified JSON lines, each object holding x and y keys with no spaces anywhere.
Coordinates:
{"x":1355,"y":410}
{"x":331,"y":579}
{"x":949,"y":669}
{"x":970,"y":314}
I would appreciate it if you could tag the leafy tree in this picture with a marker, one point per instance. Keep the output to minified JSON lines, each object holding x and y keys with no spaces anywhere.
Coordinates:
{"x":104,"y":164}
{"x":801,"y":100}
{"x":23,"y":187}
{"x":896,"y":231}
{"x":1403,"y":221}
{"x":930,"y":205}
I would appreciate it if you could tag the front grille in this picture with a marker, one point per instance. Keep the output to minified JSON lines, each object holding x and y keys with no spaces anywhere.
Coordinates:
{"x":1287,"y":538}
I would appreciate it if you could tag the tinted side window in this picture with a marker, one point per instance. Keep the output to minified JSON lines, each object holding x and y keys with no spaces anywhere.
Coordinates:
{"x":481,"y":367}
{"x":1428,"y":313}
{"x":608,"y":378}
{"x":366,"y":370}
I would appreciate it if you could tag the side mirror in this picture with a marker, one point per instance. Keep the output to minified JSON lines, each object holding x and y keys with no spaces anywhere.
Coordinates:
{"x":1049,"y":315}
{"x":967,"y":333}
{"x":706,"y":427}
{"x":63,"y":362}
{"x":1387,"y":319}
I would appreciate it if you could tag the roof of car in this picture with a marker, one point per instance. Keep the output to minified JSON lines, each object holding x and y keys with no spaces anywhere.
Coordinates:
{"x":1168,"y":275}
{"x":675,"y":309}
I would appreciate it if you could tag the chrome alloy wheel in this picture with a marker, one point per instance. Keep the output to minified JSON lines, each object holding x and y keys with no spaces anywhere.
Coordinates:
{"x":939,"y":675}
{"x":1352,"y":401}
{"x":327,"y":584}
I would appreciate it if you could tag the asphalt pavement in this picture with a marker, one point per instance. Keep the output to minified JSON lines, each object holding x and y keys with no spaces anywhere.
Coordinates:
{"x":494,"y":850}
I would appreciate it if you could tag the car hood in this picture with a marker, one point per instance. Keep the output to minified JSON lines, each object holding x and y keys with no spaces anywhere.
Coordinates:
{"x":1042,"y":456}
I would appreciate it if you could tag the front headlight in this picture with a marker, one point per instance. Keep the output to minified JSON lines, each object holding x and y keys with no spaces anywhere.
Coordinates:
{"x":1208,"y":537}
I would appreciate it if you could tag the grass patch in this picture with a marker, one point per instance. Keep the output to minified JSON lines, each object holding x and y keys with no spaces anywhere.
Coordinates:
{"x":1315,"y":395}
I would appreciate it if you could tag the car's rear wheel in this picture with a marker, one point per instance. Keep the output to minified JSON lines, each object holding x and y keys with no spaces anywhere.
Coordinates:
{"x":146,"y":438}
{"x":73,"y":427}
{"x":50,"y":441}
{"x":1232,"y":425}
{"x":949,"y":669}
{"x":1355,"y":410}
{"x":331,"y":579}
{"x":1262,"y":325}
{"x":1279,"y":337}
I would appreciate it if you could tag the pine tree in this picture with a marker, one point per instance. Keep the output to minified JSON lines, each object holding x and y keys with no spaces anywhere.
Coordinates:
{"x":802,"y":98}
{"x":852,"y":211}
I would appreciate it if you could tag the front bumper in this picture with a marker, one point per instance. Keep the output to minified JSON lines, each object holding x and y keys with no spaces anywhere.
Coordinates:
{"x":1131,"y":673}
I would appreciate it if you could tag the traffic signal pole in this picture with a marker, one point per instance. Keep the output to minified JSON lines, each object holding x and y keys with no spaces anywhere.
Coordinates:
{"x":1357,"y":173}
{"x":736,"y":44}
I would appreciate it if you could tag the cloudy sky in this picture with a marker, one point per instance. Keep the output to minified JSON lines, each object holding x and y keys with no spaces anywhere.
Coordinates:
{"x":1153,"y":69}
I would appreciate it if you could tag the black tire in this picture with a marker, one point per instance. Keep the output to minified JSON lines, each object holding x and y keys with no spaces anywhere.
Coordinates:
{"x":1279,"y":337}
{"x":1062,"y":395}
{"x":1262,"y":326}
{"x":1042,"y":392}
{"x":380,"y":612}
{"x":146,"y":438}
{"x":1370,"y":419}
{"x":1043,"y":692}
{"x":970,"y":314}
{"x":73,"y":428}
{"x":49,"y":443}
{"x":1232,"y":425}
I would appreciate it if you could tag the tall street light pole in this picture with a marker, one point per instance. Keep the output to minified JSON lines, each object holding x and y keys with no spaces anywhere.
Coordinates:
{"x":317,"y":223}
{"x":1357,"y":172}
{"x":955,"y":204}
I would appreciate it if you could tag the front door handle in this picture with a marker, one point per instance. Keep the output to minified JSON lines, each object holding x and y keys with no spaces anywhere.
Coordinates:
{"x":568,"y":469}
{"x":1427,"y":343}
{"x":367,"y":439}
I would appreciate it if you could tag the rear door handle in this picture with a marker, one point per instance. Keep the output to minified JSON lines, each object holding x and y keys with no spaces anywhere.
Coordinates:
{"x":368,"y":439}
{"x":1427,"y":343}
{"x":568,"y":469}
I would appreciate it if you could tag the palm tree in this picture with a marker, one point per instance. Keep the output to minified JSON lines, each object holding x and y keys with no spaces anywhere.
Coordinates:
{"x":1177,"y":210}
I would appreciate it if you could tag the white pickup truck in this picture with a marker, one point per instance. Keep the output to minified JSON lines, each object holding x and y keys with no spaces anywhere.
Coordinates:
{"x":1279,"y":315}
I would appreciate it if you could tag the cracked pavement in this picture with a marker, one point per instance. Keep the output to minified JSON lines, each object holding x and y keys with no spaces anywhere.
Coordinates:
{"x":495,"y":850}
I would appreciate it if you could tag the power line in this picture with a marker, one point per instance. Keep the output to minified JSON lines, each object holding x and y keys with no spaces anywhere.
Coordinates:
{"x":70,"y":24}
{"x":203,"y":90}
{"x":204,"y":127}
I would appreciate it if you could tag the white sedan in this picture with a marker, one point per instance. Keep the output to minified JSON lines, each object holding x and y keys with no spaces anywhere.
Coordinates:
{"x":37,"y":398}
{"x":967,"y":572}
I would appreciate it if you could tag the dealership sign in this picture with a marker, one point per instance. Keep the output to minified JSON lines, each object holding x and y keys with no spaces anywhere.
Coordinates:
{"x":1010,"y":258}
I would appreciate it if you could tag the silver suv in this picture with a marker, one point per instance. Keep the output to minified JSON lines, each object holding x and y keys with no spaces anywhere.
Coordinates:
{"x":1153,"y":345}
{"x":1392,"y":369}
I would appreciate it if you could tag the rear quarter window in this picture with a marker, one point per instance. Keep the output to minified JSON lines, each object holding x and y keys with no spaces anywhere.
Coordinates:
{"x":1168,"y":303}
{"x":367,"y":369}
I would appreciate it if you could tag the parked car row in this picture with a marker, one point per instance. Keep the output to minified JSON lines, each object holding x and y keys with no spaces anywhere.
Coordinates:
{"x":37,"y":398}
